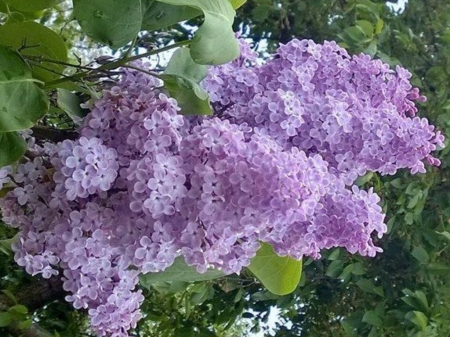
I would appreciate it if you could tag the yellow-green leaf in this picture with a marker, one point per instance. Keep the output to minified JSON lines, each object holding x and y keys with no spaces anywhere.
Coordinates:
{"x":280,"y":275}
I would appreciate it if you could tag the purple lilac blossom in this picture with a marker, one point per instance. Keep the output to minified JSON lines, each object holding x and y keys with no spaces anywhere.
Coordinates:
{"x":143,"y":185}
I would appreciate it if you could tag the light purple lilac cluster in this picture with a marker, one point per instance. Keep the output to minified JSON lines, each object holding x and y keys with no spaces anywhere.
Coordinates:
{"x":357,"y":113}
{"x":143,"y":185}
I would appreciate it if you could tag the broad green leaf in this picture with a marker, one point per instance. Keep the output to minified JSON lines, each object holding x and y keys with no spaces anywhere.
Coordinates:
{"x":6,"y":319}
{"x":13,"y":147}
{"x":181,"y":79}
{"x":280,"y":275}
{"x":158,"y":15}
{"x":183,"y":65}
{"x":191,"y":97}
{"x":179,"y":271}
{"x":420,"y":254}
{"x":418,"y":318}
{"x":112,"y":22}
{"x":358,"y":269}
{"x":214,"y":42}
{"x":19,"y":309}
{"x":22,"y":102}
{"x":70,"y":103}
{"x":30,"y":5}
{"x":372,"y":318}
{"x":40,"y":42}
{"x":366,"y":26}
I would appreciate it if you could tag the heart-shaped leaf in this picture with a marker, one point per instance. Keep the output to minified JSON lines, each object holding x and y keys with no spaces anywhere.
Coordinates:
{"x":22,"y":102}
{"x":40,"y":42}
{"x":214,"y":42}
{"x":113,"y":22}
{"x":280,"y":275}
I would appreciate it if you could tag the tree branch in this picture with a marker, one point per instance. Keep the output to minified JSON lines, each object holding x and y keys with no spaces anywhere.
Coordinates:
{"x":52,"y":134}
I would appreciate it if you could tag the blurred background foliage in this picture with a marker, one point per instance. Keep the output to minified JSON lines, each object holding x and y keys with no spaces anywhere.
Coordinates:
{"x":404,"y":291}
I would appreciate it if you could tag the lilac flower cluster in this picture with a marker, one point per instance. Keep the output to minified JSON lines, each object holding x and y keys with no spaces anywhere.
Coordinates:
{"x":355,"y":112}
{"x":143,"y":185}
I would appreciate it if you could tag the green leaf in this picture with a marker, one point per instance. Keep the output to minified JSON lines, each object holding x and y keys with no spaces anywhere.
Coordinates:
{"x":237,"y":3}
{"x":335,"y":268}
{"x":334,"y":254}
{"x":379,"y":26}
{"x":372,"y":318}
{"x":41,"y":43}
{"x":261,"y":13}
{"x":437,"y":269}
{"x":191,"y":97}
{"x":6,"y":319}
{"x":158,"y":15}
{"x":70,"y":103}
{"x":31,"y":5}
{"x":366,"y":27}
{"x":358,"y":269}
{"x":179,"y":271}
{"x":183,"y":65}
{"x":10,"y":295}
{"x":397,"y":183}
{"x":19,"y":309}
{"x":112,"y":22}
{"x":418,"y":318}
{"x":420,"y":254}
{"x":445,"y":234}
{"x":422,"y":299}
{"x":280,"y":275}
{"x":13,"y":147}
{"x":181,"y":79}
{"x":368,"y":286}
{"x":346,"y":272}
{"x":22,"y":102}
{"x":201,"y":293}
{"x":6,"y":243}
{"x":214,"y":42}
{"x":414,"y":200}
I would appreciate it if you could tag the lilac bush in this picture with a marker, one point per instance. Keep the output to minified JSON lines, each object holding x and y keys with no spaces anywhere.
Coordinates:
{"x":277,"y":162}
